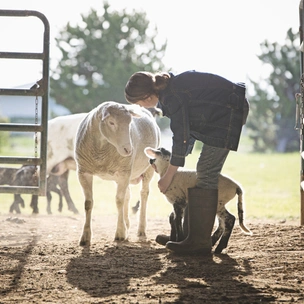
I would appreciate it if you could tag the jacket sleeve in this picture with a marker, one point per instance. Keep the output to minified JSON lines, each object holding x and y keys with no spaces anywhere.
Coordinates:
{"x":180,"y":128}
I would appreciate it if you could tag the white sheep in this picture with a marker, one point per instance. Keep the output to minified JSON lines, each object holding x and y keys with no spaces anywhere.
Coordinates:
{"x":110,"y":144}
{"x":60,"y":151}
{"x":61,"y":139}
{"x":177,"y":196}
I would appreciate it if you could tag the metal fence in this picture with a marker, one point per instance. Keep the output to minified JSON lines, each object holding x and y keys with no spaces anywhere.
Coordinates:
{"x":40,"y":89}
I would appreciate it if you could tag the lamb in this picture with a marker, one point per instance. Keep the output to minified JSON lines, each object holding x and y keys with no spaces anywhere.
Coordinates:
{"x":177,"y":196}
{"x":25,"y":176}
{"x":61,"y":136}
{"x":8,"y":176}
{"x":110,"y":144}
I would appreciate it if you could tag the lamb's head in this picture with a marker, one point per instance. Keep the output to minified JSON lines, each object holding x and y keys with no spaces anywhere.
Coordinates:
{"x":115,"y":124}
{"x":26,"y":176}
{"x":159,"y":159}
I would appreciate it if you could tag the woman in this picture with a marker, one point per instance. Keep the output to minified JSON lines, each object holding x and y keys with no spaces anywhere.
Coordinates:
{"x":204,"y":107}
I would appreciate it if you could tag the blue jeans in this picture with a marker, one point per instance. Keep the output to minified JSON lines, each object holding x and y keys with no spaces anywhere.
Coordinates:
{"x":209,"y":166}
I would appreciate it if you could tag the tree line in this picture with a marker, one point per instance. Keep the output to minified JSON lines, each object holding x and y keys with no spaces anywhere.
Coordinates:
{"x":101,"y":52}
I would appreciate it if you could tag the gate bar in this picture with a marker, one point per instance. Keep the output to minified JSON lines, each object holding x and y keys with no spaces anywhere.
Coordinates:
{"x":43,"y":91}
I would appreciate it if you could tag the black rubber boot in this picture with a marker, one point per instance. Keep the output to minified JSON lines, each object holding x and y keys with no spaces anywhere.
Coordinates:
{"x":202,"y":206}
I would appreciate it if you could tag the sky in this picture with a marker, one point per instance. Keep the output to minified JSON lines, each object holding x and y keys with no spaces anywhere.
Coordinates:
{"x":216,"y":36}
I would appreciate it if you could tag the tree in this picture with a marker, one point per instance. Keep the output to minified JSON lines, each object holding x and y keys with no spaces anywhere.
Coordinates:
{"x":100,"y":54}
{"x":272,"y":116}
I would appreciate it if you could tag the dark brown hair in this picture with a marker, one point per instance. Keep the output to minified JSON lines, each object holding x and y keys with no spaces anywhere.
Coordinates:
{"x":141,"y":85}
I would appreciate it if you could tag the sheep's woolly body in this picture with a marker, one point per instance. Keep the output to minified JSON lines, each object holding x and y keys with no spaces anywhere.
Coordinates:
{"x":110,"y":144}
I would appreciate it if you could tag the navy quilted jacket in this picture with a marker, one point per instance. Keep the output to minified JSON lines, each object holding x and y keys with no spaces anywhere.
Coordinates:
{"x":205,"y":107}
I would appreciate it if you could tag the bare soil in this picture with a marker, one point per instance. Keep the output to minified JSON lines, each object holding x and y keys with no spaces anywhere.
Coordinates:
{"x":41,"y":262}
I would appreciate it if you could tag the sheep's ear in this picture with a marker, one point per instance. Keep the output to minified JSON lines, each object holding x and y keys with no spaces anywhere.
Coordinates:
{"x":150,"y":152}
{"x":104,"y":113}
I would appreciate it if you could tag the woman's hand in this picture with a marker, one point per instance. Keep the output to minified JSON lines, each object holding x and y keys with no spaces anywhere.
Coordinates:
{"x":166,"y":179}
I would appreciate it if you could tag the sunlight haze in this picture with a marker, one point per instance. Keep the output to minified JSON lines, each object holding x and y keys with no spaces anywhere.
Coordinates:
{"x":221,"y":37}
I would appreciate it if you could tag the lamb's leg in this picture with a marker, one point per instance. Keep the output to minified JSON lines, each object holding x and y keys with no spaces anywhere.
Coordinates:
{"x":173,"y":234}
{"x":229,"y":220}
{"x":144,"y":193}
{"x":179,"y":213}
{"x":219,"y":230}
{"x":186,"y":222}
{"x":86,"y":182}
{"x":34,"y":204}
{"x":20,"y":200}
{"x":15,"y":205}
{"x":162,"y":239}
{"x":177,"y":230}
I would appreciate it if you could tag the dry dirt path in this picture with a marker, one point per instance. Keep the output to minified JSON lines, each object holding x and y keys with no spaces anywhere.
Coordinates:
{"x":41,"y":262}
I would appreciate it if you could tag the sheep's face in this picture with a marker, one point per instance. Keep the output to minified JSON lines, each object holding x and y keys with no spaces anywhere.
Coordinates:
{"x":159,"y":159}
{"x":115,"y":127}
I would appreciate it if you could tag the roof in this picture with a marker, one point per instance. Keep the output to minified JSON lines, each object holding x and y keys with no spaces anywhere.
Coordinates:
{"x":23,"y":107}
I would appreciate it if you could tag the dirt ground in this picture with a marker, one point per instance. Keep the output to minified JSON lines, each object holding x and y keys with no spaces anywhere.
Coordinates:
{"x":41,"y":262}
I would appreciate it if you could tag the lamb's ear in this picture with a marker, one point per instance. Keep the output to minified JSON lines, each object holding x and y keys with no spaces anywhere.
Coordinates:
{"x":150,"y":152}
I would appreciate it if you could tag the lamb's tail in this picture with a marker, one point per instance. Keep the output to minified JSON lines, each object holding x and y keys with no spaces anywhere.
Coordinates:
{"x":239,"y":192}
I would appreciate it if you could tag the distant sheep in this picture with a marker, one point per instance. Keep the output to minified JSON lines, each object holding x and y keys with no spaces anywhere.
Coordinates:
{"x":110,"y":144}
{"x":177,"y":196}
{"x":61,"y":140}
{"x":60,"y":153}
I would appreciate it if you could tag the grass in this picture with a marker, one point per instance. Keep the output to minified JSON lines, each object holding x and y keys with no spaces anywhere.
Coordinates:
{"x":270,"y":182}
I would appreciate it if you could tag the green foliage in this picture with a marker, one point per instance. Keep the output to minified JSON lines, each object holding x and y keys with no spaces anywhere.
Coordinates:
{"x":270,"y":193}
{"x":272,"y":116}
{"x":100,"y":54}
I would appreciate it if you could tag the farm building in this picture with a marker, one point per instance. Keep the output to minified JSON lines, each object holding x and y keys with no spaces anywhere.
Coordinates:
{"x":21,"y":109}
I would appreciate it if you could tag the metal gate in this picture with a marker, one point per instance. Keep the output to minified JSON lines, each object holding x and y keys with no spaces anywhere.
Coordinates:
{"x":39,"y":90}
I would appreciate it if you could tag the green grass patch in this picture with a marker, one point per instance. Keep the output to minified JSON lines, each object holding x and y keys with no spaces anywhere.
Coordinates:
{"x":271,"y":183}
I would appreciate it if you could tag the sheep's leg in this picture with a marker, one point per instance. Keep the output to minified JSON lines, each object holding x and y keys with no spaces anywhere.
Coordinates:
{"x":86,"y":182}
{"x":144,"y":193}
{"x":126,"y":207}
{"x":229,"y":220}
{"x":63,"y":184}
{"x":49,"y":199}
{"x":121,"y":230}
{"x":60,"y":205}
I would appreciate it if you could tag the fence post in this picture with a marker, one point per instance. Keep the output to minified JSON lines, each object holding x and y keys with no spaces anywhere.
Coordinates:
{"x":300,"y":110}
